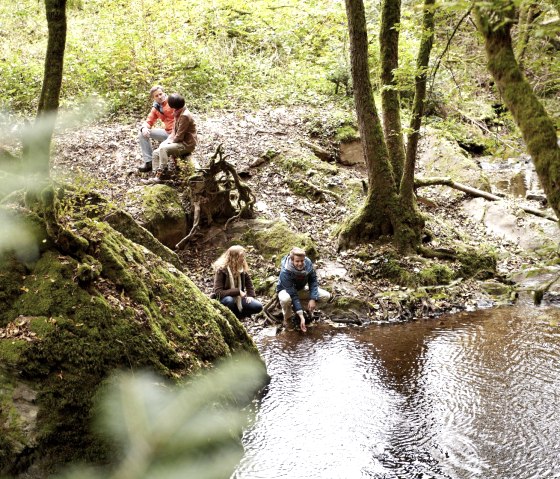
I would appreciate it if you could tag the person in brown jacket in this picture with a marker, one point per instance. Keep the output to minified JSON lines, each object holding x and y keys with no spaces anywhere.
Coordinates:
{"x":232,"y":284}
{"x":180,"y":141}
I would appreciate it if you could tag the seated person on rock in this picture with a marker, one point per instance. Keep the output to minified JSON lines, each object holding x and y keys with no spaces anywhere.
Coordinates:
{"x":232,"y":284}
{"x":181,"y":140}
{"x":298,"y":281}
{"x":160,"y":111}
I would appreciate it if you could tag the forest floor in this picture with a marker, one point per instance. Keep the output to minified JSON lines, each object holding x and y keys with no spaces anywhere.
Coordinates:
{"x":110,"y":154}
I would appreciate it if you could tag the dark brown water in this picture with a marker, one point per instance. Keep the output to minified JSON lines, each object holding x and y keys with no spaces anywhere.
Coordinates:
{"x":475,"y":395}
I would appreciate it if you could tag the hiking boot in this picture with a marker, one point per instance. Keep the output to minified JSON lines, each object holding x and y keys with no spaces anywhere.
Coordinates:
{"x":146,"y":168}
{"x":154,"y":180}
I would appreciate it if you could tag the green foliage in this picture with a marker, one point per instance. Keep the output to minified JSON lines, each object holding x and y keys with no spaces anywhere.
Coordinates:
{"x":230,"y":51}
{"x":165,"y":431}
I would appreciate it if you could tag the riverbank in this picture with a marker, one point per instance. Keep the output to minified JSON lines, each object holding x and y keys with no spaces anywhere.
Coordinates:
{"x":269,"y":148}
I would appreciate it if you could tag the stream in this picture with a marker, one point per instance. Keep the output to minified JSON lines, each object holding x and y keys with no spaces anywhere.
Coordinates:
{"x":471,"y":395}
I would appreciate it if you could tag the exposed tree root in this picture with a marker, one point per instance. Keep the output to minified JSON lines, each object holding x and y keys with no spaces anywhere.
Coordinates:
{"x":212,"y":191}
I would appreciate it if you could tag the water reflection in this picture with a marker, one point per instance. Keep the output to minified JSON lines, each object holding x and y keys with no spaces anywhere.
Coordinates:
{"x":474,"y":395}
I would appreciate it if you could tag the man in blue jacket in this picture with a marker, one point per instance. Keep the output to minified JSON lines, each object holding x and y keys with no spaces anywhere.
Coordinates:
{"x":298,"y":281}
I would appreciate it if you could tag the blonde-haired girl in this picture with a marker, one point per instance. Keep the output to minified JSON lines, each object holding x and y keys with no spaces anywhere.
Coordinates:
{"x":232,"y":284}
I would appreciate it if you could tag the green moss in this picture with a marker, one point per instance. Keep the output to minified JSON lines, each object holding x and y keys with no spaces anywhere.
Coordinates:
{"x":391,"y":269}
{"x":304,"y":190}
{"x":50,"y":289}
{"x":278,"y":240}
{"x":160,"y":202}
{"x":302,"y":164}
{"x":134,"y":312}
{"x":41,"y":326}
{"x":11,"y":350}
{"x":479,"y":264}
{"x":435,"y":274}
{"x":346,"y":133}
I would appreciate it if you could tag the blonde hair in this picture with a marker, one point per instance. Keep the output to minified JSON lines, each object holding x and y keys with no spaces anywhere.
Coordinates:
{"x":234,"y":258}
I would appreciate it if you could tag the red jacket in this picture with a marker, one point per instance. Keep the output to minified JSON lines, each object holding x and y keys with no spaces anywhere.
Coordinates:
{"x":161,"y":112}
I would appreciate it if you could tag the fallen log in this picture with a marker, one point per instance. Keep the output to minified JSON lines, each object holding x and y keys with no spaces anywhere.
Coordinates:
{"x":445,"y":181}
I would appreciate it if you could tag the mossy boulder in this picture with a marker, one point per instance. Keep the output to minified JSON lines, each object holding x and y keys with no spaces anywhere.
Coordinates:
{"x":62,"y":333}
{"x":277,"y":240}
{"x":162,"y":214}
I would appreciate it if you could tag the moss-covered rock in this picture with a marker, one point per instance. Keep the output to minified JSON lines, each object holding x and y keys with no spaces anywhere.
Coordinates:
{"x":277,"y":241}
{"x":125,"y":223}
{"x":295,"y":162}
{"x":346,"y":133}
{"x":162,"y":214}
{"x":477,"y":263}
{"x":435,"y":274}
{"x":68,"y":320}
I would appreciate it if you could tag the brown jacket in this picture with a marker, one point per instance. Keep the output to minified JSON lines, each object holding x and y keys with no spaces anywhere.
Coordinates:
{"x":222,"y":288}
{"x":184,"y":131}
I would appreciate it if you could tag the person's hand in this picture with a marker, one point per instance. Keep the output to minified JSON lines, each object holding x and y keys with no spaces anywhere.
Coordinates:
{"x":302,"y":325}
{"x":145,"y":132}
{"x":248,"y":299}
{"x":311,"y":306}
{"x":242,"y":293}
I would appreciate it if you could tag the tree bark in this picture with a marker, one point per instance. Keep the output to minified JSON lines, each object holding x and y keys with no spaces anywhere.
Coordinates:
{"x":54,"y":59}
{"x":375,"y":218}
{"x":37,"y":149}
{"x":422,"y":62}
{"x":390,"y":101}
{"x":536,"y":126}
{"x":381,"y":213}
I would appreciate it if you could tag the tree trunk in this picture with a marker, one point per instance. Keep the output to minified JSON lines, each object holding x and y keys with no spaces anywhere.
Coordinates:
{"x":529,"y":11}
{"x":54,"y":58}
{"x":390,"y":102}
{"x":529,"y":114}
{"x":375,"y":216}
{"x":381,"y":213}
{"x":422,"y":62}
{"x":37,"y":149}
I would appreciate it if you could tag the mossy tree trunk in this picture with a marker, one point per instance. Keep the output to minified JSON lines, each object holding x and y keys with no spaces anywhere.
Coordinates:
{"x":382,"y":213}
{"x":390,"y":101}
{"x":422,"y":62}
{"x":52,"y":83}
{"x":376,"y":216}
{"x":536,"y":126}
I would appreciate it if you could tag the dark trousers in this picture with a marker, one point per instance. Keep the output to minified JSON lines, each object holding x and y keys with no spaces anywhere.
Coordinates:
{"x":249,"y":309}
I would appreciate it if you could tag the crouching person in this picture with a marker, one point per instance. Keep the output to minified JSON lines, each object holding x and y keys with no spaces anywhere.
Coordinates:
{"x":298,"y":281}
{"x":232,"y":283}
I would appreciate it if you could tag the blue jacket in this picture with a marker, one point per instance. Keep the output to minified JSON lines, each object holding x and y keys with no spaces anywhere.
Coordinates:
{"x":294,"y":281}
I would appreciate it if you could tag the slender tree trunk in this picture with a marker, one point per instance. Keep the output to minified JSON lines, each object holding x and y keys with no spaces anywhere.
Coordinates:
{"x":390,"y":101}
{"x":37,"y":148}
{"x":422,"y":62}
{"x":54,"y":58}
{"x":529,"y":11}
{"x":529,"y":114}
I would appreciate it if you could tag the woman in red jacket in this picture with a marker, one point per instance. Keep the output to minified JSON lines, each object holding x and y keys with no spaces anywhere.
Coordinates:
{"x":232,"y":284}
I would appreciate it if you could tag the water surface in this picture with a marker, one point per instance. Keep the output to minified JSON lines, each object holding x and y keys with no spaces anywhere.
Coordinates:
{"x":473,"y":395}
